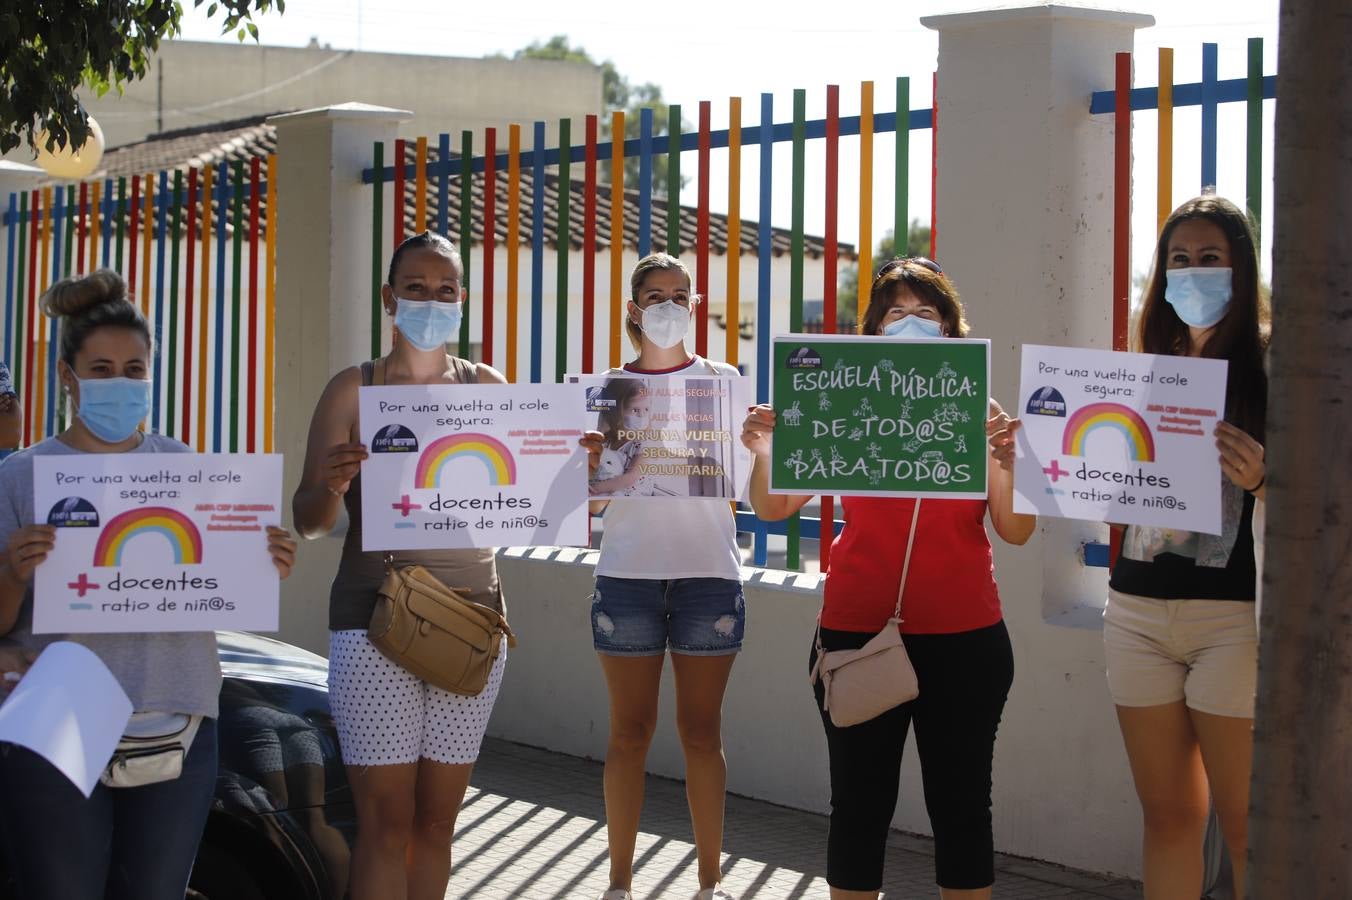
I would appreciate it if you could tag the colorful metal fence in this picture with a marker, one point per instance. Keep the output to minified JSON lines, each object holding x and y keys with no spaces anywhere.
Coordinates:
{"x":457,"y":182}
{"x":1209,"y":93}
{"x":197,"y":251}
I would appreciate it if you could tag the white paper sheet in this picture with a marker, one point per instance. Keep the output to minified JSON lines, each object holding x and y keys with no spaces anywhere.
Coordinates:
{"x":69,"y":709}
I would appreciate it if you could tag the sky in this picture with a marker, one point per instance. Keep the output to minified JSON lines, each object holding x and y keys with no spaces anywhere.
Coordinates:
{"x":713,"y":50}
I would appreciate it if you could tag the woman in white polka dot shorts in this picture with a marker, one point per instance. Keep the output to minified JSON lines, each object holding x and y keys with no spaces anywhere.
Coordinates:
{"x":408,"y":746}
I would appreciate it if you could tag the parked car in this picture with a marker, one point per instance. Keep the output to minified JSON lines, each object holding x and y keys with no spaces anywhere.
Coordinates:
{"x":282,"y":822}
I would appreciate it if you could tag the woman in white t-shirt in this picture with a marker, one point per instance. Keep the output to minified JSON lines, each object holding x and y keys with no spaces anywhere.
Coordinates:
{"x":666,"y":579}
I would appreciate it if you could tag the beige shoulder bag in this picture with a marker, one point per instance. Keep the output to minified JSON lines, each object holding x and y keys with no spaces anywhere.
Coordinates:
{"x":429,"y":629}
{"x":862,"y":684}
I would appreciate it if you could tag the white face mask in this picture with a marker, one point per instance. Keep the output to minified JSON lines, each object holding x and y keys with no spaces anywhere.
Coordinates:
{"x":666,"y":323}
{"x":635,"y":421}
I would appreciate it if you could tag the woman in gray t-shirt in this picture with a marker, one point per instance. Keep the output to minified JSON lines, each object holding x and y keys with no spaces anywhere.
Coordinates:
{"x":120,"y":841}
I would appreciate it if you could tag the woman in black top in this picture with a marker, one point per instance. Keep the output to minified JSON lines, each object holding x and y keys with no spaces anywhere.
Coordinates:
{"x":1179,"y":629}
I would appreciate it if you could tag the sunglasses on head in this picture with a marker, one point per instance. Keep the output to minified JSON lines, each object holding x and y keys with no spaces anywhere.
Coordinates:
{"x":898,"y":262}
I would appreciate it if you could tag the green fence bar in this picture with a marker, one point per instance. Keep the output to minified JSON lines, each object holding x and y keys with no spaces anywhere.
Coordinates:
{"x":674,"y":179}
{"x":377,"y":226}
{"x":1254,"y":191}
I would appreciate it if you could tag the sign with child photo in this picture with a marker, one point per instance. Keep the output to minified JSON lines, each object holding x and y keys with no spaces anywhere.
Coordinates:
{"x":668,"y":436}
{"x":878,"y":416}
{"x":454,"y":466}
{"x":157,"y":542}
{"x":1120,"y":437}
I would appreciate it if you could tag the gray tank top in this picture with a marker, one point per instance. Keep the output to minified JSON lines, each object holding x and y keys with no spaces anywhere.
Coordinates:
{"x":353,"y":596}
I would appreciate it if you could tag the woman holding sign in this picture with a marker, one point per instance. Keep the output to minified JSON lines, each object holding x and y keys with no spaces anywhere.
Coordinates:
{"x":139,"y":839}
{"x":952,"y":628}
{"x":409,"y":746}
{"x":666,"y":579}
{"x":1179,"y":629}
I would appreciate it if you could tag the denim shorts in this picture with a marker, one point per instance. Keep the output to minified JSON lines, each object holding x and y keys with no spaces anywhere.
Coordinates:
{"x":645,"y":616}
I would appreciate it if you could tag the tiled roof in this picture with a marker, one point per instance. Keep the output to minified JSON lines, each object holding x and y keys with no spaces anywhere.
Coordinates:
{"x":254,"y":137}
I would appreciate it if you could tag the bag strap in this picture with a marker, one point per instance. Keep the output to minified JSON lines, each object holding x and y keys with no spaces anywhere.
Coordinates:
{"x":378,"y":372}
{"x":906,"y":564}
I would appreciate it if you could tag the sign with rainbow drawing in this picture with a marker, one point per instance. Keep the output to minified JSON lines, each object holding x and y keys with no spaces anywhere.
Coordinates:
{"x":157,"y":542}
{"x":473,"y":465}
{"x":1126,"y":438}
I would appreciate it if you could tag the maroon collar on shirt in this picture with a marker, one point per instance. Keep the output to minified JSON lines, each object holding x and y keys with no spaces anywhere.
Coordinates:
{"x":630,"y":367}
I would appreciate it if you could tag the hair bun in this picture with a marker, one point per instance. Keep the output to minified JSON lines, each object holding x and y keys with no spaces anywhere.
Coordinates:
{"x":76,"y":296}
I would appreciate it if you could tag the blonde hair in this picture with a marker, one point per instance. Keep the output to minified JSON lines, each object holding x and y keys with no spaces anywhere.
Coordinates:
{"x":653,"y":262}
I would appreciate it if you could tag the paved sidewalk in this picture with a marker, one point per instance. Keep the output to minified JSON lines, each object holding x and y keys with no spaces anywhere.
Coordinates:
{"x":533,"y":826}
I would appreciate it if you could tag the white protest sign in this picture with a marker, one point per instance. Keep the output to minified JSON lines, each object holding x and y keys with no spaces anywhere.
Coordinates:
{"x":489,"y":465}
{"x":1114,"y":437}
{"x":70,"y":710}
{"x":157,"y":542}
{"x":669,"y":435}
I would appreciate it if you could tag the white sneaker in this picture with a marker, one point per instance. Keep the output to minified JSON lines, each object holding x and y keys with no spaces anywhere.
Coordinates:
{"x":714,"y":893}
{"x":616,"y":894}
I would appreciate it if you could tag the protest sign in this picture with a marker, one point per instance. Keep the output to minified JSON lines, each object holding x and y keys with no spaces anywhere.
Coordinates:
{"x":157,"y":542}
{"x":669,"y":435}
{"x":455,"y":466}
{"x":877,"y":416}
{"x":70,"y":710}
{"x":1120,"y":437}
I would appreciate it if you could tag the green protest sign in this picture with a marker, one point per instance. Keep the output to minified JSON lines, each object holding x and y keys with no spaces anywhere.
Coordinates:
{"x":880,"y":416}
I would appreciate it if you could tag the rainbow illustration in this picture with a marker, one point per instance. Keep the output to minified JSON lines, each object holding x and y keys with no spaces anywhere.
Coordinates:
{"x":496,"y":458}
{"x":1090,"y":418}
{"x":181,"y":533}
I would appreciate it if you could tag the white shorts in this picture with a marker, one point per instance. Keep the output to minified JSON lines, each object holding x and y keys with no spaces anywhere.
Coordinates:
{"x":1203,"y":652}
{"x":386,"y":716}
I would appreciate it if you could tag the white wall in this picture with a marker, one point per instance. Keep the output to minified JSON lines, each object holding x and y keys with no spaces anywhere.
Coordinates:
{"x":206,"y":82}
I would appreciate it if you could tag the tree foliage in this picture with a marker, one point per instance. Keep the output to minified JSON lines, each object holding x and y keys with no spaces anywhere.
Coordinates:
{"x":617,"y":93}
{"x":52,"y":50}
{"x":917,"y":244}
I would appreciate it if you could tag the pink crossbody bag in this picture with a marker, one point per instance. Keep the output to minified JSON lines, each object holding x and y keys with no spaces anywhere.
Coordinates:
{"x":862,"y":684}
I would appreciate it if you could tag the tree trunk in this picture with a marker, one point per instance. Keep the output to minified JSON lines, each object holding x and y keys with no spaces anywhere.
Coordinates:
{"x":1300,"y":830}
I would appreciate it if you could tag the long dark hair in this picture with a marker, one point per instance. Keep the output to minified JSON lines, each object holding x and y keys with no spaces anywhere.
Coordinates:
{"x":1241,"y":337}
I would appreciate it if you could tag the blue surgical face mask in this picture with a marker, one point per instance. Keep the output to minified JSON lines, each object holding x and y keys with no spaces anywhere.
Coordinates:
{"x":427,"y":324}
{"x":1200,"y":295}
{"x":111,"y":408}
{"x":913,"y":327}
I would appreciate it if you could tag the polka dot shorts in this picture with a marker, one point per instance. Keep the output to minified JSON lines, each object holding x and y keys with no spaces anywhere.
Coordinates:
{"x":386,"y":716}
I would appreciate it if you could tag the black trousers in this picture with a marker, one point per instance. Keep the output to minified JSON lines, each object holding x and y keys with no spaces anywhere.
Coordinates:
{"x":964,"y":681}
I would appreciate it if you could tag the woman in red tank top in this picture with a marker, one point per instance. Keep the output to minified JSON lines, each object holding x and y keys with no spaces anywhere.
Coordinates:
{"x":952,"y":628}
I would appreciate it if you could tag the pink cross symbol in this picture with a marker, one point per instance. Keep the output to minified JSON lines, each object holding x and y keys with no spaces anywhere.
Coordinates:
{"x":84,"y":585}
{"x":405,"y":505}
{"x":1055,"y":470}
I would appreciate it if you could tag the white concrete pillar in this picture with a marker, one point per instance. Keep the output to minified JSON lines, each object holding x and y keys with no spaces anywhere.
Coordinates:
{"x":1025,"y":230}
{"x":323,"y":306}
{"x":16,"y":177}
